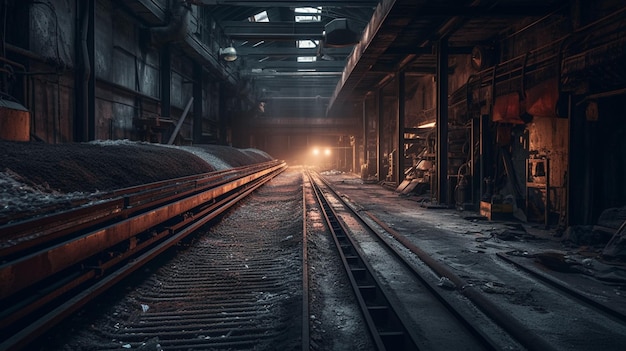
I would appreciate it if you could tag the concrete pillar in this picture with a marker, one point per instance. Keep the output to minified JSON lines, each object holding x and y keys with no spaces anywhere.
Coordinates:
{"x":365,"y":140}
{"x":84,"y":125}
{"x":442,"y":121}
{"x":399,"y":156}
{"x":379,"y":135}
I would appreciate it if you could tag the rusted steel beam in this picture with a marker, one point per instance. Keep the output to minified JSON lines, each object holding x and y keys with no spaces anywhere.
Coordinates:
{"x":26,"y":271}
{"x":140,"y":254}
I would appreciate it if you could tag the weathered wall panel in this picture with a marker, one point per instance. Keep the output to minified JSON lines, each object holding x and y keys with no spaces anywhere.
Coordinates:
{"x":148,"y":66}
{"x":52,"y":30}
{"x":104,"y":40}
{"x":123,"y":72}
{"x":122,"y":61}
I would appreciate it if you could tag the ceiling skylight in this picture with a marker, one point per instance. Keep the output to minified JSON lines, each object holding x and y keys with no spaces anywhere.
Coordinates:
{"x":260,"y":17}
{"x":305,"y":44}
{"x":308,"y":14}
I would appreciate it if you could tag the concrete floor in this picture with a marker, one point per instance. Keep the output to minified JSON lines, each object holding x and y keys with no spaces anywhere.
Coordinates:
{"x":472,"y":249}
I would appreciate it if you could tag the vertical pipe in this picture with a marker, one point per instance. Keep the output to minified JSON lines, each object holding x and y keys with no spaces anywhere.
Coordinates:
{"x":442,"y":121}
{"x":166,"y":80}
{"x":481,"y":156}
{"x":355,"y":155}
{"x":399,"y":157}
{"x":84,"y":120}
{"x":568,"y":172}
{"x":197,"y":103}
{"x":365,"y":142}
{"x":379,"y":136}
{"x":91,"y":80}
{"x":80,"y":102}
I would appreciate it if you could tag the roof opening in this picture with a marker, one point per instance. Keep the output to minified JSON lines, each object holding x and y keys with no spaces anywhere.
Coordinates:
{"x":308,"y":14}
{"x":260,"y":17}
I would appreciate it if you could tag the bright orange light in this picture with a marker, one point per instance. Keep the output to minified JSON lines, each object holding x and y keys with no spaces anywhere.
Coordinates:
{"x":427,"y":125}
{"x":316,"y":151}
{"x":327,"y":152}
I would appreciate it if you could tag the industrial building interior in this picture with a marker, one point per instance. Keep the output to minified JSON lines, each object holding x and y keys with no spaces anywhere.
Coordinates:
{"x":521,"y":99}
{"x":494,"y":110}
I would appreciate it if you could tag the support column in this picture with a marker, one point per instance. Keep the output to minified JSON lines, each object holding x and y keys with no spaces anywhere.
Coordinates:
{"x":223,"y":114}
{"x":356,"y":165}
{"x":399,"y":156}
{"x":484,"y":143}
{"x":365,"y":141}
{"x":442,"y":121}
{"x":91,"y":82}
{"x":85,"y":83}
{"x":166,"y":81}
{"x":197,"y":103}
{"x":379,"y":136}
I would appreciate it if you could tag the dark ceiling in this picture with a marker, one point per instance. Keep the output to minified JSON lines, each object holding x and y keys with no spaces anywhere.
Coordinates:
{"x":394,"y":36}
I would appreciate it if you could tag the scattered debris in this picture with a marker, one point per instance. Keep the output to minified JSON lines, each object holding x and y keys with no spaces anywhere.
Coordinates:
{"x":331,"y":172}
{"x":446,"y":283}
{"x":483,"y":238}
{"x":557,"y":261}
{"x":473,"y":251}
{"x":474,"y":218}
{"x":496,"y":288}
{"x":519,"y":253}
{"x":616,"y":247}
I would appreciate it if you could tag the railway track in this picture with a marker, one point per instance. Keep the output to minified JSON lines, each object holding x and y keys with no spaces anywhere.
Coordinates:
{"x":244,"y":283}
{"x":233,"y":287}
{"x":496,"y":320}
{"x":61,"y":261}
{"x":439,"y":325}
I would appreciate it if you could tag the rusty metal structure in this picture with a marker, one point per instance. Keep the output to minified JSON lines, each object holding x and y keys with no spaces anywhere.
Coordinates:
{"x":512,"y":106}
{"x":61,"y":261}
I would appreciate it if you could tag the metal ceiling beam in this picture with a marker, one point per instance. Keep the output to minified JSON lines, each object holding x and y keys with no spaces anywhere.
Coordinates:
{"x":286,"y":87}
{"x":427,"y":50}
{"x":293,"y":3}
{"x":293,"y":65}
{"x":272,"y":30}
{"x":306,"y":91}
{"x":278,"y":51}
{"x":288,"y":82}
{"x":314,"y":91}
{"x":293,"y":74}
{"x":359,"y":61}
{"x":486,"y":11}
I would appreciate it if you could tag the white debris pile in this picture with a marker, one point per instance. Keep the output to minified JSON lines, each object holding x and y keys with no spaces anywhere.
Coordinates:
{"x":213,"y":160}
{"x":37,"y":177}
{"x":16,"y":197}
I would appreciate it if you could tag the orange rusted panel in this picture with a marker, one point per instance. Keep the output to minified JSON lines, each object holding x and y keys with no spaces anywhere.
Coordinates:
{"x":541,"y":100}
{"x":14,"y":122}
{"x":507,"y":109}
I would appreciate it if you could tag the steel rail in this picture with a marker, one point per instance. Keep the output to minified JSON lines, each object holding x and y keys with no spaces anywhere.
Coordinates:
{"x":118,"y":204}
{"x":306,"y":335}
{"x":32,"y":312}
{"x":386,"y":327}
{"x":18,"y":273}
{"x":513,"y":327}
{"x":555,"y":283}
